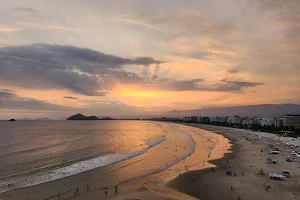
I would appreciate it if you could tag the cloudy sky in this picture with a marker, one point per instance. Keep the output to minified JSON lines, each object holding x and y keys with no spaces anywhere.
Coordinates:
{"x":133,"y":57}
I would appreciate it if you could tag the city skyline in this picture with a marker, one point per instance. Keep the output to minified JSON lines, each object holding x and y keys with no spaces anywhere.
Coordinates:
{"x":134,"y":58}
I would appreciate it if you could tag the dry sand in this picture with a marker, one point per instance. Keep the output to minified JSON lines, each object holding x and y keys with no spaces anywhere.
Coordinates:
{"x":246,"y":160}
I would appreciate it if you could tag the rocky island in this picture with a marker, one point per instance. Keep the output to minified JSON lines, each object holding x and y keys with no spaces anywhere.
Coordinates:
{"x":82,"y":117}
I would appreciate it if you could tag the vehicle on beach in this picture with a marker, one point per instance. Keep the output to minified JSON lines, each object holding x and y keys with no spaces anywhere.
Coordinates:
{"x":271,"y":161}
{"x":286,"y":174}
{"x":274,"y":152}
{"x":229,"y":172}
{"x":276,"y":176}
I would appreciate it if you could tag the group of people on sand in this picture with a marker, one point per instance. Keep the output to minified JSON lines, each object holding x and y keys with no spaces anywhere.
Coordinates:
{"x":186,"y":167}
{"x":106,"y":190}
{"x":267,"y":187}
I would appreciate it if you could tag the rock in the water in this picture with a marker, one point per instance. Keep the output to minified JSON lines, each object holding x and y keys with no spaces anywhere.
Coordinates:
{"x":82,"y":117}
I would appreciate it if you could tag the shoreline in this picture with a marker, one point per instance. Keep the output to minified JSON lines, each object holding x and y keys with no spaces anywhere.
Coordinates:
{"x":244,"y":156}
{"x":249,"y":151}
{"x":202,"y":176}
{"x":111,"y":175}
{"x":150,"y":187}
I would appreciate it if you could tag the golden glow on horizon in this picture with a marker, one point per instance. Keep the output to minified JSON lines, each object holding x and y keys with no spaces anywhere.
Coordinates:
{"x":127,"y":91}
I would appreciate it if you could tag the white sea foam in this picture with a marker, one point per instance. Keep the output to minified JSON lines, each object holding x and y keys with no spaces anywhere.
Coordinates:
{"x":154,"y":142}
{"x":73,"y":169}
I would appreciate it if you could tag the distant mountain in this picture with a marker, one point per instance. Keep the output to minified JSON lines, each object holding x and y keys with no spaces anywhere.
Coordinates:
{"x":82,"y":117}
{"x":246,"y":111}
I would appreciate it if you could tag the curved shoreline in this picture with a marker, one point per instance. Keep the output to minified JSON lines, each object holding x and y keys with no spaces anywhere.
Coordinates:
{"x":155,"y":182}
{"x":199,"y":159}
{"x":249,"y":152}
{"x":81,"y":180}
{"x":183,"y":183}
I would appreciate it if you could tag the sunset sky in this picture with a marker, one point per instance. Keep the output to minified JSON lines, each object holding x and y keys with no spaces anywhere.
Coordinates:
{"x":126,"y":58}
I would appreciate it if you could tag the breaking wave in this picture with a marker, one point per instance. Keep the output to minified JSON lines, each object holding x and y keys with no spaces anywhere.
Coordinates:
{"x":76,"y":168}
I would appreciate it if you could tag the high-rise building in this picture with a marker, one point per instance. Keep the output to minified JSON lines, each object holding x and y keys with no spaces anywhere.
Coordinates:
{"x":291,"y":120}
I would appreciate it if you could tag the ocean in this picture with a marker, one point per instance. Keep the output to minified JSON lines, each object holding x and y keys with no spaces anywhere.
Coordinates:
{"x":35,"y":152}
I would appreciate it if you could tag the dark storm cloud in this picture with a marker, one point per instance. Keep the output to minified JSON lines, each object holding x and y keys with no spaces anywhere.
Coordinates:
{"x":90,"y":72}
{"x":9,"y":100}
{"x":80,"y":70}
{"x":4,"y":94}
{"x":69,"y":97}
{"x":201,"y":85}
{"x":226,"y":85}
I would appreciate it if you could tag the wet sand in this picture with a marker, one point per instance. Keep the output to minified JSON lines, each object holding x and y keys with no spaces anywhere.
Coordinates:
{"x":249,"y":155}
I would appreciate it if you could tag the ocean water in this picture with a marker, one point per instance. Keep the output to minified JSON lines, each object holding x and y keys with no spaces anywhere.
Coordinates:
{"x":35,"y":152}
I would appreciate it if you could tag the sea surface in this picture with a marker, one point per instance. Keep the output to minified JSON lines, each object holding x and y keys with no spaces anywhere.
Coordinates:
{"x":35,"y":152}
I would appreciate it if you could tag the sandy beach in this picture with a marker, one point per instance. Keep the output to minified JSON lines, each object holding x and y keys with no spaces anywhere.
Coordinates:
{"x":247,"y":155}
{"x":250,"y":150}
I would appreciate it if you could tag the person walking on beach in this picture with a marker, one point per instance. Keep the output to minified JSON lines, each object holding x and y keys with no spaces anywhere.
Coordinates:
{"x":77,"y":191}
{"x":116,"y":189}
{"x":105,"y":190}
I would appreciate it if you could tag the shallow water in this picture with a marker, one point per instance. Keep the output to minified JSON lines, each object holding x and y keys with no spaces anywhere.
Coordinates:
{"x":34,"y":152}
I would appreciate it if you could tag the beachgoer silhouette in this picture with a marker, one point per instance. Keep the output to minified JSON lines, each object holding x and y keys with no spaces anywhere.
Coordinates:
{"x":77,"y":191}
{"x":116,"y":189}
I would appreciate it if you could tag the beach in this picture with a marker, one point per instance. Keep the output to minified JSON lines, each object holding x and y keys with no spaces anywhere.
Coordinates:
{"x":217,"y":149}
{"x":249,"y":153}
